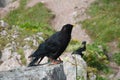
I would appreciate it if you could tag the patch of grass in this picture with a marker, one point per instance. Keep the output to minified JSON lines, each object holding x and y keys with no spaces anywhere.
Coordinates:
{"x":23,"y":59}
{"x":80,"y":78}
{"x":33,"y":19}
{"x":100,"y":78}
{"x":104,"y":24}
{"x":116,"y":58}
{"x":96,"y":58}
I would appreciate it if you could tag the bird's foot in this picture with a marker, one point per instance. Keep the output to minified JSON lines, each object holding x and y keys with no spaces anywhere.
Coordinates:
{"x":55,"y":62}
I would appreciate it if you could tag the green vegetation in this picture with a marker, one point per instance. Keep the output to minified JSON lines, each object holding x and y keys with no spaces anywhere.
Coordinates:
{"x":104,"y":24}
{"x":101,"y":78}
{"x":33,"y":19}
{"x":116,"y":58}
{"x":28,"y":21}
{"x":80,"y":78}
{"x":73,"y":45}
{"x":96,"y":58}
{"x":23,"y":59}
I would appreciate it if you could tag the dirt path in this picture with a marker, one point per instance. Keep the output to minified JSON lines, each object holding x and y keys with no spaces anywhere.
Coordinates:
{"x":68,"y":11}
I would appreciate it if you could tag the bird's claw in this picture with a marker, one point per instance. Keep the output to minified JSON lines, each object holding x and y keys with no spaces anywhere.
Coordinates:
{"x":56,"y":62}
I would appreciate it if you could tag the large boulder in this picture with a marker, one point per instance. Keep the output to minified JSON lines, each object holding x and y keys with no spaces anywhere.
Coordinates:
{"x":43,"y":72}
{"x":75,"y":67}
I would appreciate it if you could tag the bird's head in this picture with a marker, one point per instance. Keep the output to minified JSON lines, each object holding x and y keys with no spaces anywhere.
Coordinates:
{"x":67,"y":28}
{"x":84,"y":42}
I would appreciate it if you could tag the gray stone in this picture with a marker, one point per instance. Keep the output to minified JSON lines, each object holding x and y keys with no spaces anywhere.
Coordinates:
{"x":6,"y":53}
{"x":27,"y":52}
{"x":75,"y":67}
{"x":0,"y":54}
{"x":117,"y":77}
{"x":3,"y":33}
{"x":44,"y":72}
{"x":11,"y":63}
{"x":3,"y":3}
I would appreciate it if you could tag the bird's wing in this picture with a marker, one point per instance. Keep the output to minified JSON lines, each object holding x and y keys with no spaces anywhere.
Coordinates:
{"x":40,"y":51}
{"x":53,"y":43}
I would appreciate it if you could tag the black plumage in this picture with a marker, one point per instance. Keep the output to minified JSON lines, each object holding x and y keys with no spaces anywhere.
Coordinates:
{"x":81,"y":49}
{"x":54,"y":46}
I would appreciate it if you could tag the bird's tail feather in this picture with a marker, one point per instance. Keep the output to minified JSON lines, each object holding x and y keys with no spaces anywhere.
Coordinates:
{"x":35,"y":54}
{"x":32,"y":63}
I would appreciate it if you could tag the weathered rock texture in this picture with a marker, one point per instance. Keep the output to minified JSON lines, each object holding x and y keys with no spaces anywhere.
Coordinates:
{"x":3,"y":3}
{"x":44,"y":72}
{"x":75,"y":67}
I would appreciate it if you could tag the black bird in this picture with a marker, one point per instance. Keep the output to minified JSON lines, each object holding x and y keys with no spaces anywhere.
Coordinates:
{"x":53,"y":47}
{"x":81,"y":49}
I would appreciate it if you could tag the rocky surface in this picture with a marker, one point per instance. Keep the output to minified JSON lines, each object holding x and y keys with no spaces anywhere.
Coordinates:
{"x":75,"y":67}
{"x":44,"y":72}
{"x":3,"y":3}
{"x":15,"y":47}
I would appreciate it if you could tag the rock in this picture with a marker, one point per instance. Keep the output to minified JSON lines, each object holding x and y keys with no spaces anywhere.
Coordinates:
{"x":35,"y":43}
{"x":3,"y":23}
{"x":3,"y":33}
{"x":92,"y":76}
{"x":11,"y":62}
{"x":28,"y":39}
{"x":15,"y":34}
{"x":75,"y":67}
{"x":44,"y":72}
{"x":27,"y":52}
{"x":3,"y":3}
{"x":0,"y":54}
{"x":6,"y":53}
{"x":117,"y":77}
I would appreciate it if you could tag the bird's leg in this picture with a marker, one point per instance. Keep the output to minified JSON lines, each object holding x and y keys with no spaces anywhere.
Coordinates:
{"x":40,"y":59}
{"x":60,"y":59}
{"x":54,"y":61}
